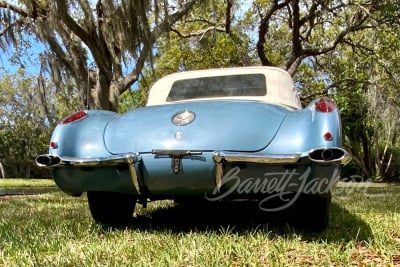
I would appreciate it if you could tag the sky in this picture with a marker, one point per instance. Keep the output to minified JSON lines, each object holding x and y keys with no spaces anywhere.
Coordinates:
{"x":29,"y":58}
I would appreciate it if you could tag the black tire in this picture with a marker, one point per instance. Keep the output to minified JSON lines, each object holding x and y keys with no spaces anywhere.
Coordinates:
{"x":109,"y":208}
{"x":312,"y":212}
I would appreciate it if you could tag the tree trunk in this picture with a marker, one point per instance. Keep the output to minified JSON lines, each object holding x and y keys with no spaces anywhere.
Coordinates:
{"x":28,"y":170}
{"x":367,"y":160}
{"x":2,"y":172}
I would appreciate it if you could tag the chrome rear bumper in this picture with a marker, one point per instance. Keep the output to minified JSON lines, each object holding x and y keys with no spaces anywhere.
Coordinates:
{"x":322,"y":156}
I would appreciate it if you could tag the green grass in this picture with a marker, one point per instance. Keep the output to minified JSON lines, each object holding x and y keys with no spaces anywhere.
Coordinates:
{"x":25,"y":183}
{"x":54,"y":229}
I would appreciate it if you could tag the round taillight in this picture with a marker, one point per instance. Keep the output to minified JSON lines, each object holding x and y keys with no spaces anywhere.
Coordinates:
{"x":75,"y":117}
{"x":53,"y":145}
{"x":325,"y":105}
{"x":328,"y":136}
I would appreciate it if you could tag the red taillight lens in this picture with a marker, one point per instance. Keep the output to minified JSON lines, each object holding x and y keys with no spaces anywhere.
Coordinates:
{"x":325,"y":105}
{"x":53,"y":145}
{"x":328,"y":136}
{"x":75,"y":117}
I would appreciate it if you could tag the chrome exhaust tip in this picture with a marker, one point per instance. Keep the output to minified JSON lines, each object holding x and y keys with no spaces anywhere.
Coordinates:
{"x":330,"y":155}
{"x":47,"y":161}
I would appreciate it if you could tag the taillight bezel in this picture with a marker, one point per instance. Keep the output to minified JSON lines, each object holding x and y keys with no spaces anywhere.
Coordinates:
{"x":78,"y":116}
{"x":325,"y":105}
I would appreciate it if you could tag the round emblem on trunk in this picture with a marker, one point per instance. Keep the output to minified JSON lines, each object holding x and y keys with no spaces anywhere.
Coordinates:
{"x":183,"y":118}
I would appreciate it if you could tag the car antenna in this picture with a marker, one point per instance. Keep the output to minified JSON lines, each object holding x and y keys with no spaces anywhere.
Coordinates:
{"x":88,"y":90}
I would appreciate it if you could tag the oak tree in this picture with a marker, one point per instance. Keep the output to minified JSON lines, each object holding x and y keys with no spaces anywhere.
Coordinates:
{"x":102,"y":45}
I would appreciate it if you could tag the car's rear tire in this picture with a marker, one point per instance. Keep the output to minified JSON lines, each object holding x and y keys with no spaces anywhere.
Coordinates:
{"x":312,"y":212}
{"x":110,"y":208}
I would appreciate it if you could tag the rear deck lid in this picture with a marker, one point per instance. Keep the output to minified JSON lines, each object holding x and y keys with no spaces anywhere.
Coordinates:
{"x":217,"y":125}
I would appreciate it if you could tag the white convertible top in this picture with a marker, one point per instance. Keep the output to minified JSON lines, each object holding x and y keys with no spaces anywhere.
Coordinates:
{"x":280,"y":87}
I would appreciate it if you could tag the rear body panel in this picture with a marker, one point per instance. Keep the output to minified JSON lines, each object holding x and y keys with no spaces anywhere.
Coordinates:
{"x":267,"y":143}
{"x":272,"y":143}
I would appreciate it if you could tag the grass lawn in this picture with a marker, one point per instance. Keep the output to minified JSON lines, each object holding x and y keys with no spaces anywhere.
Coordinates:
{"x":54,"y":229}
{"x":25,"y":183}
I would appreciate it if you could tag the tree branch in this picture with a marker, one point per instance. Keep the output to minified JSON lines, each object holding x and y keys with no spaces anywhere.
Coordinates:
{"x":89,"y":18}
{"x":14,"y":8}
{"x":133,"y":76}
{"x":298,"y":52}
{"x":71,"y":24}
{"x":178,"y":15}
{"x":296,"y":40}
{"x":201,"y":33}
{"x":263,"y":29}
{"x":339,"y":39}
{"x":228,"y":16}
{"x":97,"y":46}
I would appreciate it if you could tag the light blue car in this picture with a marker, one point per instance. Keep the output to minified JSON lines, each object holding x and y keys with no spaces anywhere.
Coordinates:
{"x":212,"y":135}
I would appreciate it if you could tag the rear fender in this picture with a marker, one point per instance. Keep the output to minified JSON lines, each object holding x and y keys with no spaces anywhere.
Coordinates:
{"x":307,"y":129}
{"x":83,"y":138}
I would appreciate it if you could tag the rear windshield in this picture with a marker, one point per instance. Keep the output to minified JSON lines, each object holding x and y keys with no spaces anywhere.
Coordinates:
{"x":218,"y":86}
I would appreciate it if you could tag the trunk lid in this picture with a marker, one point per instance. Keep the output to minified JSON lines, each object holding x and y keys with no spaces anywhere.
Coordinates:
{"x":218,"y":125}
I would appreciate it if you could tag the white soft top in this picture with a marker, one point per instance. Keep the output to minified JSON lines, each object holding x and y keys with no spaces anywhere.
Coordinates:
{"x":280,"y":87}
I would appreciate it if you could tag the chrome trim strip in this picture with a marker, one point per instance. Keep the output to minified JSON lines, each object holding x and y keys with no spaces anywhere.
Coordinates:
{"x":225,"y":156}
{"x":88,"y":162}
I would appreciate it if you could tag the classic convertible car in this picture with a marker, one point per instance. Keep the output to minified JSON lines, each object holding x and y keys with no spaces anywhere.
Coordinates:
{"x":220,"y":134}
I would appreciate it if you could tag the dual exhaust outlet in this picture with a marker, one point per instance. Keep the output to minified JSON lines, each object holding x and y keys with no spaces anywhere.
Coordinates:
{"x":47,"y":161}
{"x":330,"y":155}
